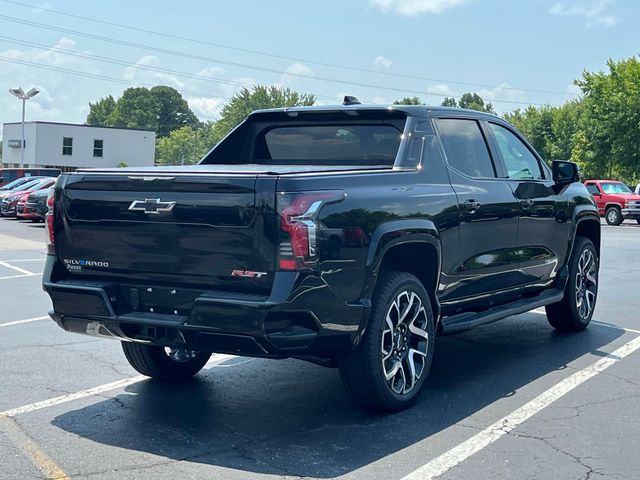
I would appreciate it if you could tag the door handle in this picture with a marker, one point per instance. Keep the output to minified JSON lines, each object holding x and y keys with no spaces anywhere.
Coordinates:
{"x":526,"y":203}
{"x":471,"y":205}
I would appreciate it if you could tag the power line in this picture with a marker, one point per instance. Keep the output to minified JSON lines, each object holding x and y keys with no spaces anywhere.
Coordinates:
{"x":224,"y":62}
{"x":273,"y":55}
{"x":98,"y":76}
{"x":115,"y":61}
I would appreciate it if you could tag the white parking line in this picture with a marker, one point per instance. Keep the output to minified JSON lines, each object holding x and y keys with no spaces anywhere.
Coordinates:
{"x":28,"y":320}
{"x":17,"y":269}
{"x":21,"y":276}
{"x":32,"y":407}
{"x":24,"y":260}
{"x":448,"y":460}
{"x":602,"y":324}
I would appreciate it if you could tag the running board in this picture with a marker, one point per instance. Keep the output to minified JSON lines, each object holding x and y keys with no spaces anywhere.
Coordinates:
{"x":465,"y":321}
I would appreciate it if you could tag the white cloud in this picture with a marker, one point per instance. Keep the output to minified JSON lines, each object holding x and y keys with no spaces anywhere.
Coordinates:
{"x":440,"y":89}
{"x":595,"y":12}
{"x":206,"y":108}
{"x":504,"y":91}
{"x":411,"y":8}
{"x":141,"y":73}
{"x":296,"y":72}
{"x":379,"y":100}
{"x":382,"y":61}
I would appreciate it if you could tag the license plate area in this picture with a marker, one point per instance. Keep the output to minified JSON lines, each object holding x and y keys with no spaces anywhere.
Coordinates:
{"x":162,"y":300}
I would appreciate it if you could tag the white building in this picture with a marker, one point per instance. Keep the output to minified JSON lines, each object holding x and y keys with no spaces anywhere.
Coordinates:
{"x":69,"y":146}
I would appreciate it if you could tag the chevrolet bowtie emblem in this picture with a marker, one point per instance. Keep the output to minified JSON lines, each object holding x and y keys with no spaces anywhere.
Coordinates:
{"x":151,"y":206}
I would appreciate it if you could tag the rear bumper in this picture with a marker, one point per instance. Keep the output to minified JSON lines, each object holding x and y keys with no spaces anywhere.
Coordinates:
{"x":301,"y":317}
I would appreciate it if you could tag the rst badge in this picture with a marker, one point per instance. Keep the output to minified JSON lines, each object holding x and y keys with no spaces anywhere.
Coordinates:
{"x":151,"y":206}
{"x":247,"y":274}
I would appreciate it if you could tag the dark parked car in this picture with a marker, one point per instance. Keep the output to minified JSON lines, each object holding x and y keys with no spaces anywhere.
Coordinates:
{"x":16,"y":185}
{"x":36,"y":205}
{"x":9,"y":204}
{"x":454,"y":221}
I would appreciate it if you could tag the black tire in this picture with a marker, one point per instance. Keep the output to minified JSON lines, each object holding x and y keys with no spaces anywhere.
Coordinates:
{"x":568,"y":315}
{"x":638,"y":221}
{"x":155,"y":362}
{"x":613,"y":216}
{"x":363,"y":370}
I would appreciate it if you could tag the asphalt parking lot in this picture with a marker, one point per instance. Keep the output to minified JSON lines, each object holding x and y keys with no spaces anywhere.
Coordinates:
{"x":510,"y":400}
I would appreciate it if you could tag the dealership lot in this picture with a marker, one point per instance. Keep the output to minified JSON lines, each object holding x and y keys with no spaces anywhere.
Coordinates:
{"x":512,"y":399}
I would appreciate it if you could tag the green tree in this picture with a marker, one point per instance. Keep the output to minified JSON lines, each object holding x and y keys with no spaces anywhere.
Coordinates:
{"x":256,"y":98}
{"x":475,"y":102}
{"x":100,"y":111}
{"x":409,"y":101}
{"x":172,"y":110}
{"x":185,"y":146}
{"x":160,"y":108}
{"x":136,"y":108}
{"x":610,"y":120}
{"x":449,"y":102}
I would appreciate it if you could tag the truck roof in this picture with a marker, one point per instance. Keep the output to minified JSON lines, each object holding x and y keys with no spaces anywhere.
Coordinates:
{"x":410,"y":110}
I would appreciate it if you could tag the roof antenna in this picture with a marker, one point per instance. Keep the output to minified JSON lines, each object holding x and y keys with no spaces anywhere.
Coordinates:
{"x":350,"y":100}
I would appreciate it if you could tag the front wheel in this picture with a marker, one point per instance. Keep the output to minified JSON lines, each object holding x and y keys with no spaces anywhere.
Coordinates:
{"x":613,"y":216}
{"x":164,"y":362}
{"x":574,"y":312}
{"x":387,"y":370}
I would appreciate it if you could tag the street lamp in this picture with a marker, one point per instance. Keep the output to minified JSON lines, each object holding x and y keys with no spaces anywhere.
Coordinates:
{"x":18,"y":92}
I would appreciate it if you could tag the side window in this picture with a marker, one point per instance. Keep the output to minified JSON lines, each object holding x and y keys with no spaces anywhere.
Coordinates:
{"x":465,"y":147}
{"x":520,"y":162}
{"x":67,"y":146}
{"x":98,"y":148}
{"x":593,"y":189}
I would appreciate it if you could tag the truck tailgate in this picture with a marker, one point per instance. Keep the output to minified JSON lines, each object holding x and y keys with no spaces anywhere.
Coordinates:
{"x":191,"y":229}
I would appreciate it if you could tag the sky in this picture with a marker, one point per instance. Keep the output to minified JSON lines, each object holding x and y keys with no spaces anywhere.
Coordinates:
{"x":512,"y":52}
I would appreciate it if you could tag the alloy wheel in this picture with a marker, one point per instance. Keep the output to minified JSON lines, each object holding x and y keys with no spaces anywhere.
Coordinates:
{"x":586,"y":283}
{"x":404,"y":343}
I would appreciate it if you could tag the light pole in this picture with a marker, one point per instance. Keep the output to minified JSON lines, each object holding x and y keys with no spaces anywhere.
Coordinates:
{"x":18,"y":92}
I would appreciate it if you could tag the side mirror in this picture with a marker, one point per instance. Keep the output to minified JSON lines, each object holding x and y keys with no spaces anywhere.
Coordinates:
{"x":565,"y":173}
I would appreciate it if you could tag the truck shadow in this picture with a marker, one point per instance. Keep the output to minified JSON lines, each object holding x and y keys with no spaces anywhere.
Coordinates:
{"x":289,"y":417}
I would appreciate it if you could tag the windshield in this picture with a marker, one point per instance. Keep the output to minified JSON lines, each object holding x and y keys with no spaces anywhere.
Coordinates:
{"x":615,"y":188}
{"x":27,"y":185}
{"x":15,"y":183}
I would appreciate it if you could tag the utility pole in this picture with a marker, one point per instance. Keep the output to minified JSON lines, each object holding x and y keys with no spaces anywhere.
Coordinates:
{"x":20,"y":93}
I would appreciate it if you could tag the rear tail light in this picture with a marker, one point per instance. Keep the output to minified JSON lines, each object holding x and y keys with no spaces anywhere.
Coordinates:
{"x":298,"y":219}
{"x":48,"y":222}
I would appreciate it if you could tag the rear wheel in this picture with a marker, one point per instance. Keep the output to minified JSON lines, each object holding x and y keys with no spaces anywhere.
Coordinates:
{"x":164,"y":362}
{"x":574,"y":312}
{"x":387,"y":370}
{"x":613,"y":216}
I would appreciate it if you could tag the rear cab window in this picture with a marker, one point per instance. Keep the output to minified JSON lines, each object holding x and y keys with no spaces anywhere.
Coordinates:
{"x":593,"y":189}
{"x":359,"y":138}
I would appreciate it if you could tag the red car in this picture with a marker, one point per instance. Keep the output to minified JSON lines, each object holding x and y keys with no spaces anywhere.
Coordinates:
{"x":22,"y":211}
{"x":616,"y":202}
{"x":9,"y":205}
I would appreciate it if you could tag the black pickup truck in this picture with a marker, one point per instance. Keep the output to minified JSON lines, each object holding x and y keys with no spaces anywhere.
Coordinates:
{"x":348,"y":236}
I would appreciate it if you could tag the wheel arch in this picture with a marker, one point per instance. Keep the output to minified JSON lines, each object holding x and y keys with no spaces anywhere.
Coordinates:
{"x":411,"y":246}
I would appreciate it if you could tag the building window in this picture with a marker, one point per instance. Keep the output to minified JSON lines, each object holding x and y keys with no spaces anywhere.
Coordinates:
{"x":67,"y":146}
{"x":97,"y":148}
